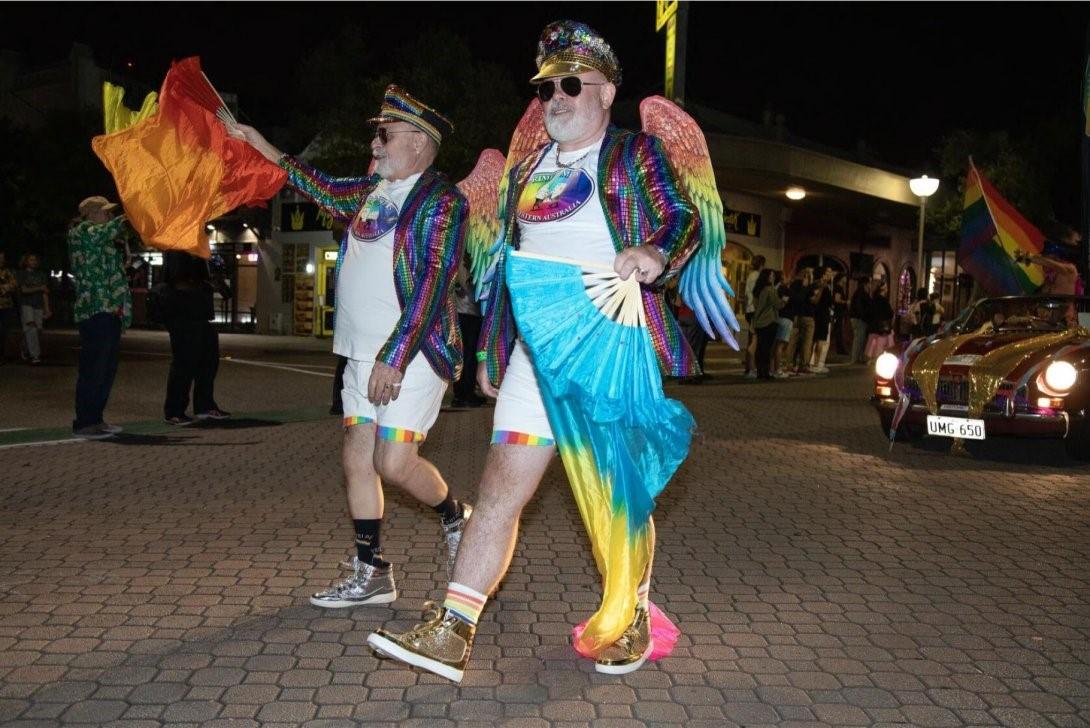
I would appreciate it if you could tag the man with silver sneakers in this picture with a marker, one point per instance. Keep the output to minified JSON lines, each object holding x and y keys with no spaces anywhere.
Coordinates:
{"x":395,"y":322}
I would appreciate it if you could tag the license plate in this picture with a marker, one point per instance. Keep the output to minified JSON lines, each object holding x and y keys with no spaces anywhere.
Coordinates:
{"x":955,"y":427}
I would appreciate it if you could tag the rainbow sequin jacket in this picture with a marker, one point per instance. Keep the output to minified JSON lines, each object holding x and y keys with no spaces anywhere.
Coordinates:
{"x":428,"y":244}
{"x":644,"y":204}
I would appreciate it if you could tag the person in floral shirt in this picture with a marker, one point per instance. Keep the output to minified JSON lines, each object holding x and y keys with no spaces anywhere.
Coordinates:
{"x":103,"y":308}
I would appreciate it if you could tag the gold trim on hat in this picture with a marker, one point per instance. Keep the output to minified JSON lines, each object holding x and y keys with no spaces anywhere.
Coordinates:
{"x":389,"y":115}
{"x":566,"y":63}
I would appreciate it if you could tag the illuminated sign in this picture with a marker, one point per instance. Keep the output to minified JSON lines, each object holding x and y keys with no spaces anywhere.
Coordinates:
{"x":302,"y":217}
{"x":742,"y":223}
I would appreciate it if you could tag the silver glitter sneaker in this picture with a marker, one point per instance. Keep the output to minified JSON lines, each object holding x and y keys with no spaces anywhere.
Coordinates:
{"x":453,"y":534}
{"x":367,"y":585}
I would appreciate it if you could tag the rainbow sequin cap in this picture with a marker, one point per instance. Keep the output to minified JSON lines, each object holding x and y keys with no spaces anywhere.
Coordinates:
{"x":399,"y":105}
{"x":568,"y":47}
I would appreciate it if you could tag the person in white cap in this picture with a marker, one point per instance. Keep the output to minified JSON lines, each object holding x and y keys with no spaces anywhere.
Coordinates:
{"x":103,"y":309}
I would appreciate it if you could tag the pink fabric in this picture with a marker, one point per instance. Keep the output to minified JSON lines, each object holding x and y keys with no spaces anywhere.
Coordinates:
{"x":877,"y":343}
{"x":664,"y":634}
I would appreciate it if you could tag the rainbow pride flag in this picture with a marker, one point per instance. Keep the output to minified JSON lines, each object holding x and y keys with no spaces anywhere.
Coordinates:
{"x":993,"y":233}
{"x":176,"y":168}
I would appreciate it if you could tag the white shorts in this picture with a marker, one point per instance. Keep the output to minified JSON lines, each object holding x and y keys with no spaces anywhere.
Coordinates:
{"x":520,"y":417}
{"x":407,"y":418}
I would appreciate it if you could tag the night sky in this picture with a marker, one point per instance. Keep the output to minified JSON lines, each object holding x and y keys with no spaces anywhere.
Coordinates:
{"x":894,"y":75}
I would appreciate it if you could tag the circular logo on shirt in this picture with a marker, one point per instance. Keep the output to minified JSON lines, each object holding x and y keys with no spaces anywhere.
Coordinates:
{"x":552,"y":196}
{"x":376,"y":218}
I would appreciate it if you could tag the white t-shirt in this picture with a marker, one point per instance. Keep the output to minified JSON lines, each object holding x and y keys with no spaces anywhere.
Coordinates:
{"x":560,"y":210}
{"x":751,"y":282}
{"x":367,"y":305}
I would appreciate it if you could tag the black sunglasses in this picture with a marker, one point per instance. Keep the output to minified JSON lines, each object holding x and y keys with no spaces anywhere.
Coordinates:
{"x":383,"y":134}
{"x":571,"y":86}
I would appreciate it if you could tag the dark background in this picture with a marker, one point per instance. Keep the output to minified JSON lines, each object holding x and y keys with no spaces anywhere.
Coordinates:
{"x":896,"y":76}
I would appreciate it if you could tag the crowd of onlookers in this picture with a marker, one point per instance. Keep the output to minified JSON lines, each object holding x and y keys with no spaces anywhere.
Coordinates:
{"x":792,"y":325}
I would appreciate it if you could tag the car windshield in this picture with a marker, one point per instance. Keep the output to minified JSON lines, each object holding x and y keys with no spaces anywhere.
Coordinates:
{"x":1032,"y":313}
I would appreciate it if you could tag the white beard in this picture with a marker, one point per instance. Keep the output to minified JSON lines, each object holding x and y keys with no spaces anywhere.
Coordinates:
{"x":573,"y":125}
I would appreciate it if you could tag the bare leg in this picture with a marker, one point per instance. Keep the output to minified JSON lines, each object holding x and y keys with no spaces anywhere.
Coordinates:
{"x":511,"y":476}
{"x":751,"y":350}
{"x":362,"y":485}
{"x":400,"y":463}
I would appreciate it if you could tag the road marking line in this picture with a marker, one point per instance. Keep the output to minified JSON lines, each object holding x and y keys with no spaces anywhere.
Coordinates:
{"x":228,"y":358}
{"x":131,"y":351}
{"x":66,"y":441}
{"x":278,"y":366}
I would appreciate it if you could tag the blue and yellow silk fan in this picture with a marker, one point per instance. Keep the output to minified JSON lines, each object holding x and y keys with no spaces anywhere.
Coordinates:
{"x":619,"y":437}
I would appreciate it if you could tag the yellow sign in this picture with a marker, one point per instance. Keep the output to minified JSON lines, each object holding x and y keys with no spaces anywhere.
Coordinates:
{"x":666,"y":15}
{"x":664,"y":11}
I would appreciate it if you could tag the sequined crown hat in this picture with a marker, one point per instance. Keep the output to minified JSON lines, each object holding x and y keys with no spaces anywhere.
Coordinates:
{"x":399,"y":105}
{"x":568,"y":47}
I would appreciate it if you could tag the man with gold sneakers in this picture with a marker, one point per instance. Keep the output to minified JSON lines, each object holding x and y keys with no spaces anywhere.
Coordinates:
{"x":589,"y":192}
{"x":395,"y":322}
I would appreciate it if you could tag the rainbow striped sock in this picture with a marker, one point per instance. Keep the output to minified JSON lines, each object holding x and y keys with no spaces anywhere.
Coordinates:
{"x":465,"y":603}
{"x":643,"y":594}
{"x":506,"y":437}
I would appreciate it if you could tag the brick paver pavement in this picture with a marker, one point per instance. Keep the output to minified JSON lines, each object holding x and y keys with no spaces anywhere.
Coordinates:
{"x":818,"y":580}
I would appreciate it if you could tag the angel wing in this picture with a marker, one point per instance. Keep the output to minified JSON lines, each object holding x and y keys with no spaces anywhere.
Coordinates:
{"x":702,"y":285}
{"x":481,"y":189}
{"x":529,"y":135}
{"x":485,"y":253}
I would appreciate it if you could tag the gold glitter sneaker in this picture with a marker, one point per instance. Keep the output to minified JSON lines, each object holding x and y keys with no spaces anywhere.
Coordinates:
{"x":629,"y":652}
{"x":440,"y":645}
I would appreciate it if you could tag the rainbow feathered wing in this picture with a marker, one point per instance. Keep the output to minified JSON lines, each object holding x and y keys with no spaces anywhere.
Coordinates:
{"x":481,"y":189}
{"x":703,"y":285}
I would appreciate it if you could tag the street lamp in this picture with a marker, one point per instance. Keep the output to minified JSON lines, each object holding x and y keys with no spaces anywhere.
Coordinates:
{"x":922,"y":187}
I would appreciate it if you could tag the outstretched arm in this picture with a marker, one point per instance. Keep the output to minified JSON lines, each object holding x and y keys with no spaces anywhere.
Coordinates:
{"x":254,"y":138}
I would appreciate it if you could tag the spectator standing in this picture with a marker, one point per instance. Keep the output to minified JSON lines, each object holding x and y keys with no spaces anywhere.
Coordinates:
{"x":803,"y":296}
{"x":103,"y":308}
{"x":9,"y":316}
{"x":918,"y":316}
{"x":33,"y":305}
{"x":750,"y":301}
{"x":469,"y":321}
{"x":840,"y":312}
{"x":880,"y":323}
{"x":194,"y":343}
{"x":766,"y":318}
{"x":785,"y":326}
{"x":937,"y":312}
{"x":823,"y":321}
{"x":859,"y":313}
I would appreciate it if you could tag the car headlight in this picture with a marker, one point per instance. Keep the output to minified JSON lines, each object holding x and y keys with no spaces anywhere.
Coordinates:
{"x":1060,"y":376}
{"x":886,"y":366}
